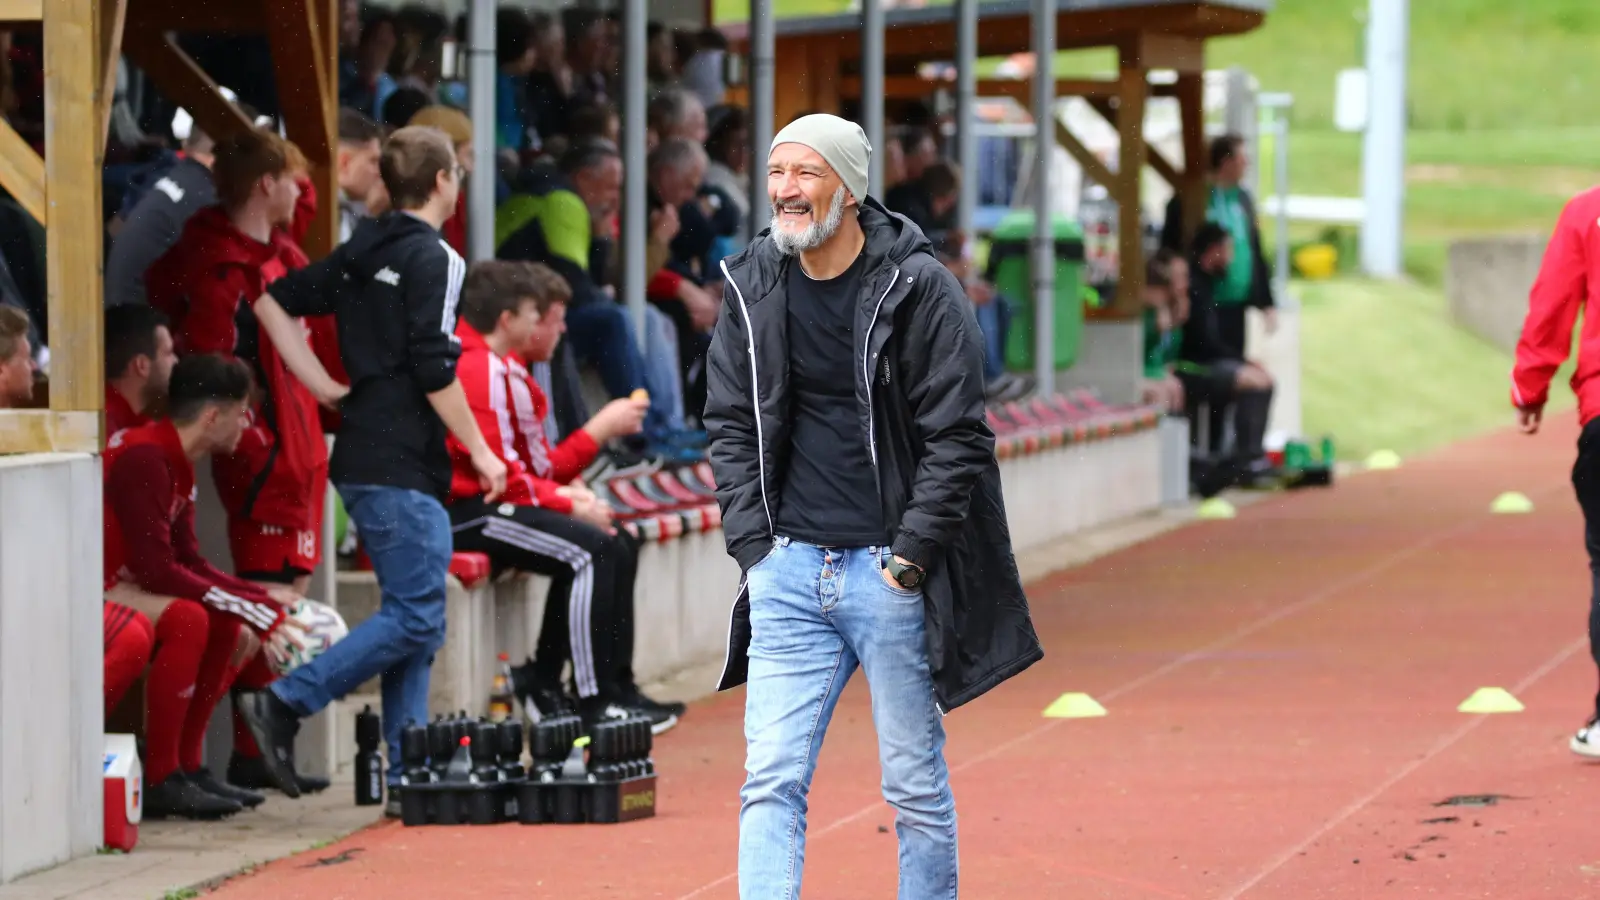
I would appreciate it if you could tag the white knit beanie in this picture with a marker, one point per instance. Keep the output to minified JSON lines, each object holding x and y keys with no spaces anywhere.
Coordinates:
{"x":841,"y":144}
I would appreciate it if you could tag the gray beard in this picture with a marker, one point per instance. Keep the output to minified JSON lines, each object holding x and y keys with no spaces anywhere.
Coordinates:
{"x":815,"y":235}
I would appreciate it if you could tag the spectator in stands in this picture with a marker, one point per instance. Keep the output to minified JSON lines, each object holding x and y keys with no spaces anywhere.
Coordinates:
{"x":888,"y":505}
{"x":402,"y":105}
{"x":684,"y":289}
{"x":1248,"y":280}
{"x":547,"y":521}
{"x":552,"y":218}
{"x":1213,"y":370}
{"x":728,"y":146}
{"x":454,"y":123}
{"x":139,"y":361}
{"x":548,"y":87}
{"x":516,"y":54}
{"x":587,"y":53}
{"x":368,"y":89}
{"x":17,"y":367}
{"x":153,"y":224}
{"x":1166,"y":280}
{"x":393,"y":289}
{"x":273,"y":486}
{"x":360,"y":140}
{"x":702,"y":72}
{"x":677,"y":113}
{"x":153,"y":567}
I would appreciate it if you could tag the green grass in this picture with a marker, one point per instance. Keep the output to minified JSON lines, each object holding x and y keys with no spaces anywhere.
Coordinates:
{"x":1383,"y":368}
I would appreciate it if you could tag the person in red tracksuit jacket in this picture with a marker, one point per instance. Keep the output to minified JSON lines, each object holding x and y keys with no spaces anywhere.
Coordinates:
{"x":547,"y":521}
{"x":274,"y":485}
{"x":1569,"y":284}
{"x":153,"y":566}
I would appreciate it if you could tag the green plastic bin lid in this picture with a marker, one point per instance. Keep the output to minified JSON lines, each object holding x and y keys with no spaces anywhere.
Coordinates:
{"x":1017,"y":225}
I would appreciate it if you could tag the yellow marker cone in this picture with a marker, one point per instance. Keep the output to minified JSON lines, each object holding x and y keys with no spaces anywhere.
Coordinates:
{"x":1074,"y":706}
{"x":1490,"y":700}
{"x":1511,"y":503}
{"x":1383,"y":459}
{"x":1215,"y":508}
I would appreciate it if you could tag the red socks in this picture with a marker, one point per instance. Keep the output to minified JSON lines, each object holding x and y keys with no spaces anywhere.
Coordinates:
{"x":180,"y":636}
{"x":213,"y":679}
{"x":128,"y":639}
{"x":253,"y":677}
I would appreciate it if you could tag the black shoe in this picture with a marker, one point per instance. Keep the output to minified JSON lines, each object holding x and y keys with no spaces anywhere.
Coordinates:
{"x":205,"y":781}
{"x":595,"y":710}
{"x":273,"y":724}
{"x":176,"y":797}
{"x":251,"y":772}
{"x":634,"y":697}
{"x":539,"y":699}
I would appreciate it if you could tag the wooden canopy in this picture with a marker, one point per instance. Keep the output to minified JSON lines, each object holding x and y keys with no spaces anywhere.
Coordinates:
{"x":819,"y":61}
{"x":82,"y":43}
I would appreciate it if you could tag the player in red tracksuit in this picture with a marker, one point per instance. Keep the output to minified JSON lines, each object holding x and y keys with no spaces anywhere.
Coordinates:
{"x":275,"y":484}
{"x":153,"y":565}
{"x":1569,"y":284}
{"x":546,"y":521}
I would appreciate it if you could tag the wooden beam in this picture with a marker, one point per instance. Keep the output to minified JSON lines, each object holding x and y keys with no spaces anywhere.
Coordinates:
{"x":49,"y":431}
{"x":22,"y":171}
{"x":1153,"y":157}
{"x":113,"y":16}
{"x":73,"y":157}
{"x":1092,"y":166}
{"x":1159,"y":50}
{"x":212,"y":16}
{"x":21,"y":10}
{"x":183,"y":82}
{"x":1192,"y":192}
{"x":1130,"y":169}
{"x":307,"y":87}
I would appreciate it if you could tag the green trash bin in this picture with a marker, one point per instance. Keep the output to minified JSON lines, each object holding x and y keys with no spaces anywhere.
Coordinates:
{"x":1012,"y":274}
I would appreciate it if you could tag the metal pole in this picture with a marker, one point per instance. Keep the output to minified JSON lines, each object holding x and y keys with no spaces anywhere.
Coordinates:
{"x":634,"y":170}
{"x":480,"y":100}
{"x":967,"y":118}
{"x":1383,"y":157}
{"x":872,"y":28}
{"x":1280,"y":179}
{"x":762,"y":111}
{"x":1044,"y":245}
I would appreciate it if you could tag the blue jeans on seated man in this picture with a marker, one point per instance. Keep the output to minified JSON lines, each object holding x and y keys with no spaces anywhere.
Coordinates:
{"x":603,"y":334}
{"x":406,"y":534}
{"x":815,"y":614}
{"x":994,"y":320}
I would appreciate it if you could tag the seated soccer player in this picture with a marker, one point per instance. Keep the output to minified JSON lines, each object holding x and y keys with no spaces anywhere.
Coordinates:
{"x":153,"y":566}
{"x":546,"y":521}
{"x":1164,"y":305}
{"x":16,"y":358}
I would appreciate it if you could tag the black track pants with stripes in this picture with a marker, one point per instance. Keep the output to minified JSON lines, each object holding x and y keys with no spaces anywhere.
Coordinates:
{"x":589,"y":615}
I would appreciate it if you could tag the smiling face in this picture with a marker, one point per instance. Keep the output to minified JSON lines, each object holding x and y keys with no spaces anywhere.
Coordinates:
{"x":808,"y":198}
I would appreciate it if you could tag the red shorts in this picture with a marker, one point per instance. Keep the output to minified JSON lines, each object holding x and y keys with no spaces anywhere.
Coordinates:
{"x":118,"y":618}
{"x":273,"y":552}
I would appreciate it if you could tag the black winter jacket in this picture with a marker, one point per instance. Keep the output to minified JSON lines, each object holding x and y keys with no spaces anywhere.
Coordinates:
{"x":920,"y":403}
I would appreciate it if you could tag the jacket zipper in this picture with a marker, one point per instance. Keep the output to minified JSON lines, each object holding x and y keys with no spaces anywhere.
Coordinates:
{"x":755,"y":396}
{"x":866,"y":365}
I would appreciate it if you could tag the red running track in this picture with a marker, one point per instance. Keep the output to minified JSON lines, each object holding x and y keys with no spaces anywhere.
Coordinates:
{"x":1282,"y":691}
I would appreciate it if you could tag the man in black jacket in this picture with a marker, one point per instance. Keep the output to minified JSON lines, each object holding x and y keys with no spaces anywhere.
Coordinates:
{"x":861,"y":499}
{"x":393,"y":288}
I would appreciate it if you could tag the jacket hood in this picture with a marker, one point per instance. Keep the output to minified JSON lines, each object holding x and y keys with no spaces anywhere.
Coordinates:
{"x":891,"y":239}
{"x":210,"y":239}
{"x":363,"y":255}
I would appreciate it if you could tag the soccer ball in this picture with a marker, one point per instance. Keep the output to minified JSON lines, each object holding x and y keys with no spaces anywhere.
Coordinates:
{"x":323,"y":627}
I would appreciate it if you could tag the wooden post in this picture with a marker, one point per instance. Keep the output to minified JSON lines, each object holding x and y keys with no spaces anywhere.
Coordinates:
{"x":308,"y":93}
{"x":1132,"y":88}
{"x":73,"y":157}
{"x":1192,"y":191}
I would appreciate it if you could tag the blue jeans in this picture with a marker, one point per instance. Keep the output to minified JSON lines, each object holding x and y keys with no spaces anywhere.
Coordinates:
{"x":994,"y":320}
{"x":661,"y":376}
{"x":602,"y":333}
{"x":816,"y":614}
{"x":407,"y":536}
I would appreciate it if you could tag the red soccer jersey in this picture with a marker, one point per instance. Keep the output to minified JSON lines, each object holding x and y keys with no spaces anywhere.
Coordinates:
{"x":119,"y":413}
{"x":206,"y":284}
{"x":1569,"y":279}
{"x":510,"y":409}
{"x":149,"y":528}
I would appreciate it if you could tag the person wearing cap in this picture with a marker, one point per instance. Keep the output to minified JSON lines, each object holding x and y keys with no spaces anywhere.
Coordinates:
{"x":861,"y":498}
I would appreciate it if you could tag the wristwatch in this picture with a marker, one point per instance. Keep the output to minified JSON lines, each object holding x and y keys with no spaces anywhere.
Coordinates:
{"x":905,"y":574}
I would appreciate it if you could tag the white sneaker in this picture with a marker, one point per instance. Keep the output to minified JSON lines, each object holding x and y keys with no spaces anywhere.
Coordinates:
{"x":1586,"y":742}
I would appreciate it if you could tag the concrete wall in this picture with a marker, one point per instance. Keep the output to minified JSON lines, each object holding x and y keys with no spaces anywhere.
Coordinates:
{"x":1487,"y":282}
{"x":51,"y":737}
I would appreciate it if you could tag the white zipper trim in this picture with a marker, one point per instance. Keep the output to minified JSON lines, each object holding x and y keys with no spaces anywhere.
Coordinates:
{"x":755,"y":394}
{"x":866,"y":364}
{"x":727,"y":644}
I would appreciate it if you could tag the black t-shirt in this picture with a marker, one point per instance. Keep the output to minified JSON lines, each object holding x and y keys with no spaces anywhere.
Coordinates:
{"x":830,"y":489}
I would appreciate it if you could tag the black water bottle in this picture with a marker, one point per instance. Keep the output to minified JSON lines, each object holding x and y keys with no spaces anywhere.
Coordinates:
{"x":369,"y":765}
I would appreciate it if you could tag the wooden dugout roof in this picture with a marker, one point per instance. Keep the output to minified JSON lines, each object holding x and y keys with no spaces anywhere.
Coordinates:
{"x":82,"y":42}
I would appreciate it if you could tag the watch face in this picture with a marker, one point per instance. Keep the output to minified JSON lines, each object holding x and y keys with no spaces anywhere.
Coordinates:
{"x":909,"y":577}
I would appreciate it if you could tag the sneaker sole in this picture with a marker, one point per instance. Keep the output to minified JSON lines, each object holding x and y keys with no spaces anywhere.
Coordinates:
{"x":282,"y":773}
{"x":1587,"y":751}
{"x":660,"y":727}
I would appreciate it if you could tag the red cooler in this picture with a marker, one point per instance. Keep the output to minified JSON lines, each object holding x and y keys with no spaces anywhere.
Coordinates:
{"x":124,"y":787}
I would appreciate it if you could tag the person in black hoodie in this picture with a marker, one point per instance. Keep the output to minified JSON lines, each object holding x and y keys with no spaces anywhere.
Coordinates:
{"x":1211,"y":368}
{"x":861,"y":498}
{"x":393,"y":289}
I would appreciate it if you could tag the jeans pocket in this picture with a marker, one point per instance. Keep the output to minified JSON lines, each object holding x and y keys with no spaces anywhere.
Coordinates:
{"x":890,"y":585}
